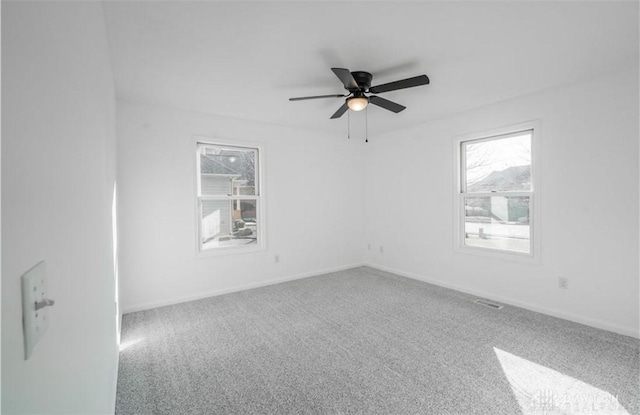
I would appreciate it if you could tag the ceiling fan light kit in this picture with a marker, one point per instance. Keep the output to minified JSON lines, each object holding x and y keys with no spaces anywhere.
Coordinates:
{"x":357,"y":102}
{"x":358,"y":83}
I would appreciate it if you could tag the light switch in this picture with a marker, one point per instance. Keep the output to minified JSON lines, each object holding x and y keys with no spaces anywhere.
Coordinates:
{"x":35,"y":314}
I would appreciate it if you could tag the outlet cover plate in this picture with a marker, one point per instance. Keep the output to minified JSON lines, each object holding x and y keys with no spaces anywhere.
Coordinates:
{"x":563,"y":283}
{"x":34,"y":322}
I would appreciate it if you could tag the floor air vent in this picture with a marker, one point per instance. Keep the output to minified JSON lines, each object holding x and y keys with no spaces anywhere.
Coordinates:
{"x":488,"y":303}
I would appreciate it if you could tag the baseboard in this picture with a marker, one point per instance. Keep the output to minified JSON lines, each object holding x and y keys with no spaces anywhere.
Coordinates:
{"x":149,"y":306}
{"x":599,"y":324}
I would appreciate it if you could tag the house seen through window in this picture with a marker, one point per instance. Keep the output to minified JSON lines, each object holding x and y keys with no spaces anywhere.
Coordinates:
{"x":228,"y":197}
{"x":496,"y":192}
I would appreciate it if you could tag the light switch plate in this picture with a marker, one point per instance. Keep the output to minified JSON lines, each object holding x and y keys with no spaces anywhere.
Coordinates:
{"x":34,"y":322}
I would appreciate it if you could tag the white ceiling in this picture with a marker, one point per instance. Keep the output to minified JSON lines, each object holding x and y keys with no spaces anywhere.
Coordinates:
{"x":245,"y":60}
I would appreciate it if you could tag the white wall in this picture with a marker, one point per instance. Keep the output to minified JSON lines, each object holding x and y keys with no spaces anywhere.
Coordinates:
{"x":588,"y":195}
{"x":312,"y":182}
{"x":58,"y":174}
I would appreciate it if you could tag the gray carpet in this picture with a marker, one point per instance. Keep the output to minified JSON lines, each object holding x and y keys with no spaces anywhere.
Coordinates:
{"x":368,"y":342}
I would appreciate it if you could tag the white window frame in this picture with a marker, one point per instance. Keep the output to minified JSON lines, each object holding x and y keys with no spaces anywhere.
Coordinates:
{"x":260,"y":244}
{"x":459,"y":195}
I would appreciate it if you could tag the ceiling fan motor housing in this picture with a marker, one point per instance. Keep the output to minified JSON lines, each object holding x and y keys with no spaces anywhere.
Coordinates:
{"x":363,"y":79}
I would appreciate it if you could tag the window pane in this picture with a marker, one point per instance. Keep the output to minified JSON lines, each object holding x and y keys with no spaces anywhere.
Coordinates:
{"x":499,"y":165}
{"x":228,"y":223}
{"x":228,"y":171}
{"x":498,"y":222}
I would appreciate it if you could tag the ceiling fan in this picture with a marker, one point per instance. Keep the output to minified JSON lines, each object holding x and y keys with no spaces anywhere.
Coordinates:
{"x":358,"y":83}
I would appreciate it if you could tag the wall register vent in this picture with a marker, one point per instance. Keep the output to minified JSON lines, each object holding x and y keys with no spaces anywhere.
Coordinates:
{"x":488,"y":303}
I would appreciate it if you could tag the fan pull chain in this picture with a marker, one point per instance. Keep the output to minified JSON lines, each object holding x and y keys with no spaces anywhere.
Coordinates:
{"x":366,"y":124}
{"x":348,"y":124}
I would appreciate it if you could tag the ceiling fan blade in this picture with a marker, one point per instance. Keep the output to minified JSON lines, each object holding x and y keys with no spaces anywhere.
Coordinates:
{"x":317,"y":97}
{"x":340,"y":111}
{"x":386,"y":104}
{"x":345,"y":77}
{"x":402,"y":84}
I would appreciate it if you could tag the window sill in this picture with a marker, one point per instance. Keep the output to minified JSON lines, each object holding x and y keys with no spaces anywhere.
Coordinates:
{"x":231,"y":250}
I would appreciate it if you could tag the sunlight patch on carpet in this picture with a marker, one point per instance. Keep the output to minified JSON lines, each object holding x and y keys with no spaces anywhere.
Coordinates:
{"x":541,"y":390}
{"x":126,"y":344}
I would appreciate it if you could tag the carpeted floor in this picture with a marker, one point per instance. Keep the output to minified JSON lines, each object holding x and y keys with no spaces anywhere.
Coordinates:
{"x":364,"y":341}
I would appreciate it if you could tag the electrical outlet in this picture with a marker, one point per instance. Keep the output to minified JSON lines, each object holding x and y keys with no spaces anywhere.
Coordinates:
{"x":35,"y":315}
{"x":563,"y":283}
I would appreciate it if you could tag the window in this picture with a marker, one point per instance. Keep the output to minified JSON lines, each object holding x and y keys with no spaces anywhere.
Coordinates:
{"x":496,"y":193}
{"x":228,"y":197}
